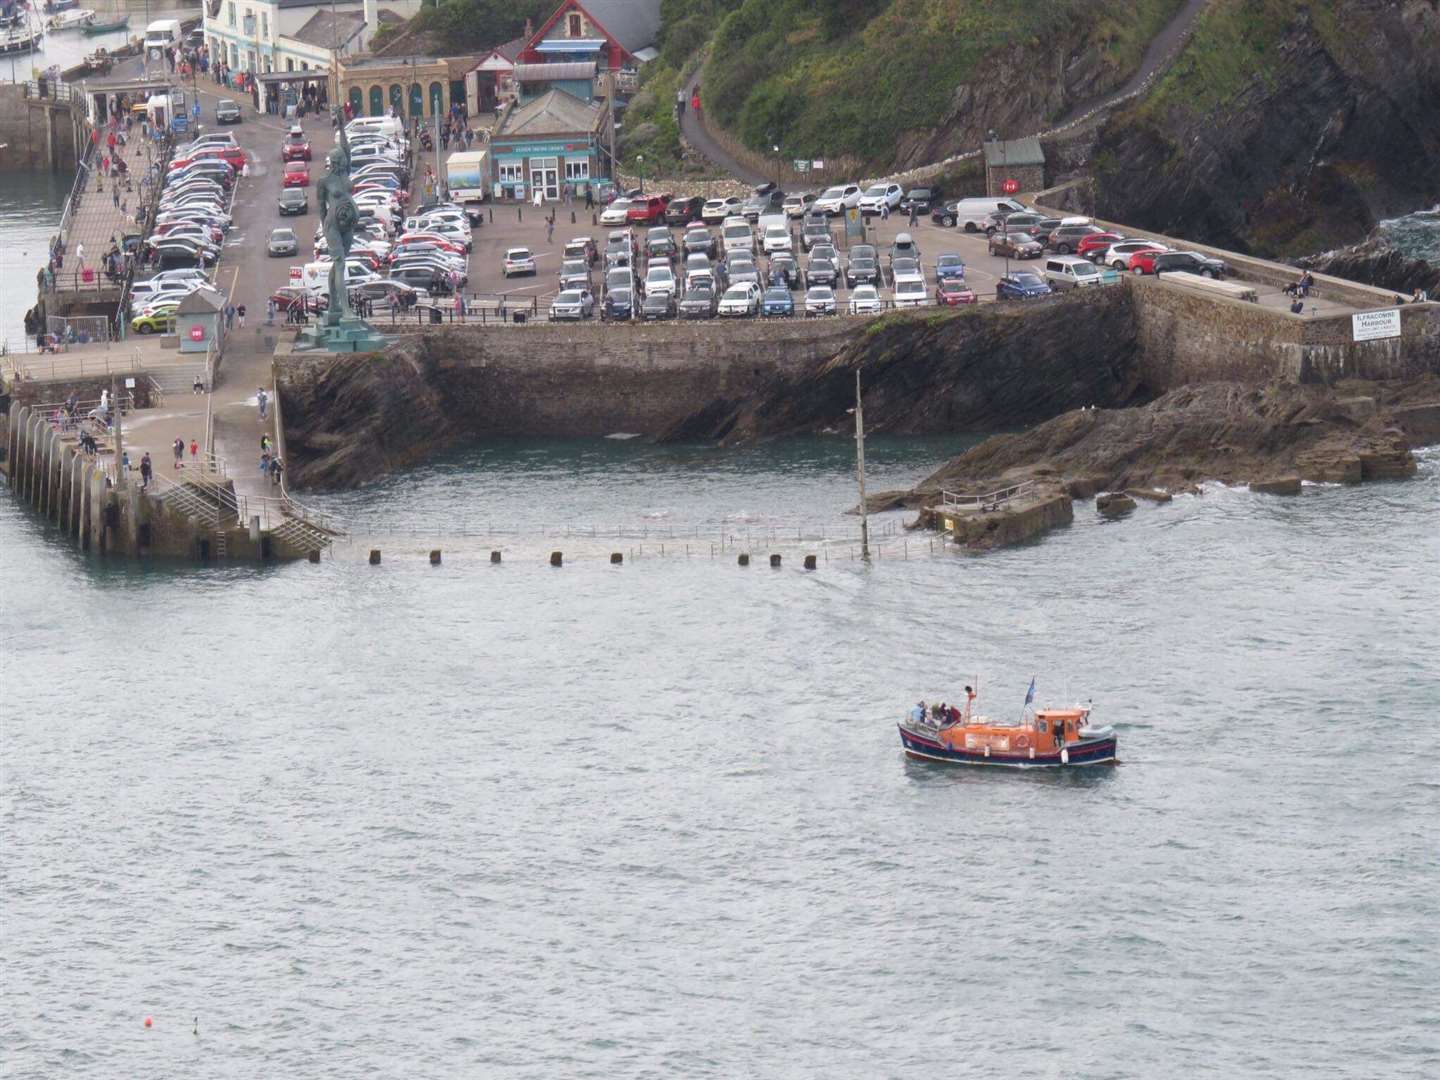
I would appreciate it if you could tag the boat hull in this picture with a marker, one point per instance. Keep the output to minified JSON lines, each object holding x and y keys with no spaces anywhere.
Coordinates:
{"x":919,"y":747}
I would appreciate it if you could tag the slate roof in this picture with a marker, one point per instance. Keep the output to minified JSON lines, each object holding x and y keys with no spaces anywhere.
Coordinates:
{"x":201,"y":302}
{"x":633,"y":23}
{"x":1014,"y":152}
{"x":552,"y":113}
{"x":574,"y":69}
{"x":325,"y":29}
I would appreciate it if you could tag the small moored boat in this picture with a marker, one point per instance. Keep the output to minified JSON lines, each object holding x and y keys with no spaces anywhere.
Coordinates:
{"x":94,"y":28}
{"x":72,"y":19}
{"x":1045,"y":738}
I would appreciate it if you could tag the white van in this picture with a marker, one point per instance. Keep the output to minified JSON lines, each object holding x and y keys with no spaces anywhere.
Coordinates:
{"x":970,"y":214}
{"x":738,"y":237}
{"x":162,"y":34}
{"x":1072,"y":272}
{"x":388,"y":126}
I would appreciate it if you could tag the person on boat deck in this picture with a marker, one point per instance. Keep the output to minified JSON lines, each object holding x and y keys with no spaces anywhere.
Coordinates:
{"x":954,"y":715}
{"x":940,"y":713}
{"x":917,"y":714}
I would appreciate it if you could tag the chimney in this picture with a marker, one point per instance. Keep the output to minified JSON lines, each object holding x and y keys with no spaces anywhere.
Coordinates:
{"x":372,"y":18}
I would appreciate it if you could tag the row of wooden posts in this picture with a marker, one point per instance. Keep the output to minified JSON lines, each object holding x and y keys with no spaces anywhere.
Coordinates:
{"x":557,"y":558}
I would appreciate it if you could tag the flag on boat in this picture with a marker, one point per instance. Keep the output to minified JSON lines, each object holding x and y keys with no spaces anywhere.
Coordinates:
{"x":1030,"y":694}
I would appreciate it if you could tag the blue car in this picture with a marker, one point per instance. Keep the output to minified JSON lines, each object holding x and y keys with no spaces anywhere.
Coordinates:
{"x":949,"y":266}
{"x":1021,"y":285}
{"x":777,"y":302}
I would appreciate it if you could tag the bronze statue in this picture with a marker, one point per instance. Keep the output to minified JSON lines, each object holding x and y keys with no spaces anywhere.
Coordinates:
{"x":339,"y":216}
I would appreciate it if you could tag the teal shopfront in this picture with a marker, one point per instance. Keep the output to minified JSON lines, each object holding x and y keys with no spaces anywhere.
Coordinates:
{"x":523,"y":168}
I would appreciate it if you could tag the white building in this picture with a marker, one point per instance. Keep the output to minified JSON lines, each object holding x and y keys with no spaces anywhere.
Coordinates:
{"x":292,"y":35}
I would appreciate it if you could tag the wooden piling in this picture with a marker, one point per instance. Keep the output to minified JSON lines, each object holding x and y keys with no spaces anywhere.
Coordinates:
{"x":435,"y":557}
{"x":374,"y":556}
{"x":314,"y":555}
{"x":494,"y":556}
{"x":557,"y":559}
{"x":616,"y":558}
{"x":743,"y":560}
{"x":775,"y":561}
{"x":809,"y":562}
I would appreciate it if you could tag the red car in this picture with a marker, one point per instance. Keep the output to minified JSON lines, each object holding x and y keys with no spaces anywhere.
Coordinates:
{"x":295,"y":147}
{"x":231,"y":155}
{"x":952,"y":292}
{"x":648,"y":210}
{"x":292,"y":296}
{"x":297,"y":174}
{"x":1088,"y":245}
{"x":1143,"y":262}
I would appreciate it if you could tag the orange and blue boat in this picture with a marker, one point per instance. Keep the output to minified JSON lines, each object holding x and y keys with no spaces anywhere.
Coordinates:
{"x":1042,"y":739}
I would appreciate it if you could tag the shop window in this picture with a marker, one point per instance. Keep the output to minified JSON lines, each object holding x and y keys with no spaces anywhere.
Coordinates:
{"x":577,"y":169}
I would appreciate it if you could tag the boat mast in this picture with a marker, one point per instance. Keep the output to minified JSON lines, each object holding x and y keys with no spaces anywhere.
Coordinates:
{"x":860,"y":470}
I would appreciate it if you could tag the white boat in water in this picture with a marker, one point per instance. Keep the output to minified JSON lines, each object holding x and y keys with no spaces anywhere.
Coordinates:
{"x":73,"y":19}
{"x":19,"y":35}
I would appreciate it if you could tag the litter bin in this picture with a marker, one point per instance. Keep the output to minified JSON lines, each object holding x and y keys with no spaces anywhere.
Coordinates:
{"x":518,"y":317}
{"x":436,"y":315}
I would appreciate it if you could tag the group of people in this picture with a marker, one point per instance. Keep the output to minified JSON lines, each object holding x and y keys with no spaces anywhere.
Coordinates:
{"x":270,"y":464}
{"x":942,"y":714}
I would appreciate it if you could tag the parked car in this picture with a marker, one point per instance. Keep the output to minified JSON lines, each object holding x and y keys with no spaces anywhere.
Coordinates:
{"x":921,"y":199}
{"x":647,"y":210}
{"x":291,"y":296}
{"x":784,"y":270}
{"x":1011,"y":221}
{"x":879,"y":196}
{"x":617,"y":213}
{"x":572,"y":304}
{"x":658,"y":307}
{"x":862,"y":271}
{"x":718,"y":209}
{"x":776,"y":302}
{"x":904,"y":247}
{"x":659,"y":278}
{"x":798,"y":205}
{"x":770,"y":200}
{"x":1015,"y":245}
{"x":1064,"y":239}
{"x":227,"y":112}
{"x":776,"y":239}
{"x":159,"y":319}
{"x":836,"y":200}
{"x":1096,"y":242}
{"x":820,"y":301}
{"x":574,"y":274}
{"x":820,"y":272}
{"x":740,"y":269}
{"x":865,"y":300}
{"x":700,"y":241}
{"x":949,"y":265}
{"x":582,"y":247}
{"x":293,"y":201}
{"x":1021,"y":285}
{"x":297,"y":174}
{"x":684,"y":209}
{"x":618,"y":305}
{"x":295,"y":147}
{"x":283,"y":242}
{"x":659,"y":244}
{"x":518,"y":260}
{"x":1190,"y":261}
{"x":952,"y":291}
{"x":1118,"y":255}
{"x":815,"y":232}
{"x":741,"y":300}
{"x":700,"y":302}
{"x":910,"y":290}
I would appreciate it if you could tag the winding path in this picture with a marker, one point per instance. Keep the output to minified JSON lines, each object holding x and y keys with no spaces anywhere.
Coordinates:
{"x":1158,"y":55}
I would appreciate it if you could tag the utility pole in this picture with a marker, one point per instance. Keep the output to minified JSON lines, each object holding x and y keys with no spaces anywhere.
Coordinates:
{"x":119,"y":440}
{"x":860,"y":471}
{"x":610,"y":106}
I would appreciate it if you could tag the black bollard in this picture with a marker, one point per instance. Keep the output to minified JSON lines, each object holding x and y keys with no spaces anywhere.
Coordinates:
{"x":519,"y":213}
{"x":494,"y":556}
{"x":315,"y":556}
{"x":492,"y":215}
{"x":616,"y":558}
{"x":557,"y":559}
{"x":435,"y":557}
{"x":374,"y":556}
{"x":809,"y":562}
{"x":572,"y":217}
{"x":775,"y":561}
{"x":744,"y":560}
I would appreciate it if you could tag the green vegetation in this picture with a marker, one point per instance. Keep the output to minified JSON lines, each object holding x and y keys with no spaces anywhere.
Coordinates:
{"x":843,"y":77}
{"x":478,"y":24}
{"x":650,"y":127}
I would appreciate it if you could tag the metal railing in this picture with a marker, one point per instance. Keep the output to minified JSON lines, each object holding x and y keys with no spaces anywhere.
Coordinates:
{"x":990,"y":500}
{"x":50,"y":90}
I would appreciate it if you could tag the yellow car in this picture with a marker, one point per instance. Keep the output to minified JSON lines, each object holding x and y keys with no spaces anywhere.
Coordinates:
{"x":156,"y":321}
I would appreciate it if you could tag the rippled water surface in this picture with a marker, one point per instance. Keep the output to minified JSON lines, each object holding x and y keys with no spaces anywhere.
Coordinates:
{"x":653,"y":820}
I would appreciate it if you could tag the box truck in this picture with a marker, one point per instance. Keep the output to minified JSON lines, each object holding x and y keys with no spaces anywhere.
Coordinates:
{"x":467,"y":175}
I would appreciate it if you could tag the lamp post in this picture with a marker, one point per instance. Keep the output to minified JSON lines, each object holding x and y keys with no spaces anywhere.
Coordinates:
{"x":776,"y":148}
{"x":640,"y":164}
{"x":992,"y":137}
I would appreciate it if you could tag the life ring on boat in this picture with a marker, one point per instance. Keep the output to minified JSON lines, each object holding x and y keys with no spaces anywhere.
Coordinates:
{"x":1022,"y":741}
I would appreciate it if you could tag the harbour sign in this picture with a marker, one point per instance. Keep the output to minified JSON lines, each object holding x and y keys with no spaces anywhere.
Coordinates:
{"x":1375,"y":325}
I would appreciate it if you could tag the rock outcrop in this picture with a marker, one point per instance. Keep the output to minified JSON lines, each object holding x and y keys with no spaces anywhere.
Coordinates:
{"x":1377,"y":262}
{"x":1219,"y":431}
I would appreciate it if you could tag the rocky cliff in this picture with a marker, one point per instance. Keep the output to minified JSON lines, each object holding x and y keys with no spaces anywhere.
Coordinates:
{"x":1377,"y":262}
{"x":1283,"y":128}
{"x":979,"y":369}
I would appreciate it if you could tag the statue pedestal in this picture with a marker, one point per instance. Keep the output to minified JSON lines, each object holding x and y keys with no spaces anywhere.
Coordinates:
{"x":348,"y":335}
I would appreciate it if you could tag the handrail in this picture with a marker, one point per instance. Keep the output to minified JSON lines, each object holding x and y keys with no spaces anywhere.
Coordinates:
{"x":293,"y":506}
{"x":994,"y":499}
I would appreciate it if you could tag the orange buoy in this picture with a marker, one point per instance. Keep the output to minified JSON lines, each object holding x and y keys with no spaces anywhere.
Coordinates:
{"x":149,"y":1022}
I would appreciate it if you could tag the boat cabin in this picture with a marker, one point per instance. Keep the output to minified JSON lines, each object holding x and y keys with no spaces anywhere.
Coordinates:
{"x":1049,"y":731}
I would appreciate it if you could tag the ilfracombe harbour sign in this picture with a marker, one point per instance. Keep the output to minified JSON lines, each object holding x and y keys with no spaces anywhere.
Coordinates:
{"x":1375,"y":325}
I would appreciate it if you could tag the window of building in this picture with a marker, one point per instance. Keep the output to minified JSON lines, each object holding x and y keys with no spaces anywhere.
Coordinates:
{"x":511,"y":173}
{"x":289,"y":63}
{"x":437,"y":99}
{"x":304,"y":65}
{"x":577,"y":168}
{"x":377,"y":101}
{"x":575,"y":24}
{"x":231,"y":13}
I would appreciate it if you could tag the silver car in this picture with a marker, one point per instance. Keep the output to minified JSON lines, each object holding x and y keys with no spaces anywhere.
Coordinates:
{"x":283,"y":242}
{"x":573,"y":304}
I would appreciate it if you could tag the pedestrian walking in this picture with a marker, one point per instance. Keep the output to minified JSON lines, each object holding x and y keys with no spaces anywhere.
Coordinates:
{"x":147,"y":469}
{"x":80,"y":254}
{"x":589,"y":196}
{"x":277,"y":468}
{"x":229,"y":316}
{"x":125,"y":462}
{"x":198,"y":387}
{"x":550,"y":228}
{"x":115,"y":196}
{"x":262,"y":400}
{"x":264,"y":462}
{"x":912,"y":213}
{"x":194,"y":451}
{"x":270,"y":311}
{"x":885,"y":210}
{"x":179,"y":449}
{"x":240,"y":315}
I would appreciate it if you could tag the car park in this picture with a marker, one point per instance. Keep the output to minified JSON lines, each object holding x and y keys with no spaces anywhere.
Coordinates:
{"x":820,"y":301}
{"x":776,"y":302}
{"x":617,"y":305}
{"x":865,"y":300}
{"x":951,"y":292}
{"x":768,"y":199}
{"x":1021,"y":285}
{"x":701,"y":301}
{"x":646,"y":210}
{"x":910,"y":291}
{"x":718,"y":209}
{"x":878,"y":197}
{"x":683,"y":209}
{"x":657,"y":307}
{"x":1014,"y":245}
{"x":836,"y":200}
{"x":1118,"y":255}
{"x":573,"y":304}
{"x":921,"y":200}
{"x":1064,"y":272}
{"x":282,"y":242}
{"x":1190,"y":262}
{"x":740,"y":300}
{"x":949,"y":265}
{"x":574,"y":274}
{"x":518,"y":260}
{"x":617,"y":213}
{"x":971,"y":214}
{"x":293,"y":201}
{"x":297,"y":174}
{"x":227,"y":112}
{"x":797,"y":205}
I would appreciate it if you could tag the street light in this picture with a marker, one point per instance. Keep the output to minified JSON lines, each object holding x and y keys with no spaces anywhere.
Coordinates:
{"x":776,"y":148}
{"x":640,"y":164}
{"x":992,"y":137}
